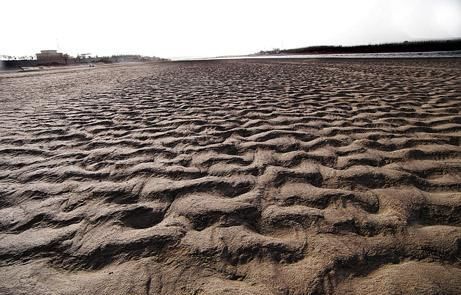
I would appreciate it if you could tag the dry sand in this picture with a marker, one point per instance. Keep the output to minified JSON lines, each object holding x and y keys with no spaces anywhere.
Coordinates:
{"x":232,"y":177}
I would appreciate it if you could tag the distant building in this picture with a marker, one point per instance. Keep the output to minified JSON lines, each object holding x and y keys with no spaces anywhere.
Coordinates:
{"x":51,"y":57}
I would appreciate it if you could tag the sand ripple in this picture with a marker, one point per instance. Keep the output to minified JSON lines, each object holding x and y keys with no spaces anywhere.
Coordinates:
{"x":232,"y":177}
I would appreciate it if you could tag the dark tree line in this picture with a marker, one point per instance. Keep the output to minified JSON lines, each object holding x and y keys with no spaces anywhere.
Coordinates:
{"x":414,"y":46}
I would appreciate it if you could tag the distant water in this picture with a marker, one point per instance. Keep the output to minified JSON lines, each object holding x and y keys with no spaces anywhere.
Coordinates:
{"x":432,"y":54}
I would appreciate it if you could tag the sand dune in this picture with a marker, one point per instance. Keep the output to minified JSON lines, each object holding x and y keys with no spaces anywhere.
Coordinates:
{"x":232,"y":177}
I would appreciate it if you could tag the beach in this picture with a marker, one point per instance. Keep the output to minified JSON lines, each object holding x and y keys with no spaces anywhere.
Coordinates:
{"x":249,"y":176}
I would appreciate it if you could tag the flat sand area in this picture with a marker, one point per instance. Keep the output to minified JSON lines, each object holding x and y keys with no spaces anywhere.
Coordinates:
{"x":232,"y":177}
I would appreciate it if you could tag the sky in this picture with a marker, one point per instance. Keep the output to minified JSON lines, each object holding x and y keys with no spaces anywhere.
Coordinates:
{"x":204,"y":28}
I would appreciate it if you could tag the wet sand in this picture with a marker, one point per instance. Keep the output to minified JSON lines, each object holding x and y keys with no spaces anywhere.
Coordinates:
{"x":232,"y":177}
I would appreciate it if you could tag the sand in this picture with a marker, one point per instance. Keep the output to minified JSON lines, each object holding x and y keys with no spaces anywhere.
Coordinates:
{"x":232,"y":177}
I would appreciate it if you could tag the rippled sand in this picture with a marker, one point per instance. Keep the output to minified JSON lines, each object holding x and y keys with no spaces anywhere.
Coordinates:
{"x":232,"y":177}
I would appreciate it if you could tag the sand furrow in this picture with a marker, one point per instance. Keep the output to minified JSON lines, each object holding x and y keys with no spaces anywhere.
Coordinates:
{"x":232,"y":177}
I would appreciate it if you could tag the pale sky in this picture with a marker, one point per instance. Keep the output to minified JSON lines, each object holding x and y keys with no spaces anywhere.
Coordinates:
{"x":199,"y":28}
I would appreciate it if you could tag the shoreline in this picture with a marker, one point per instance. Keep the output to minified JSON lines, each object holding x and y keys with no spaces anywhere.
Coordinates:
{"x":384,"y":55}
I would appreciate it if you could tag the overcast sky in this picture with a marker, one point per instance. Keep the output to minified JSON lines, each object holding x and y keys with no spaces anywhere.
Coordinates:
{"x":187,"y":28}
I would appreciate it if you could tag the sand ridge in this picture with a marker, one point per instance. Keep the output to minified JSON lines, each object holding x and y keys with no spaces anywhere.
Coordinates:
{"x":232,"y":177}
